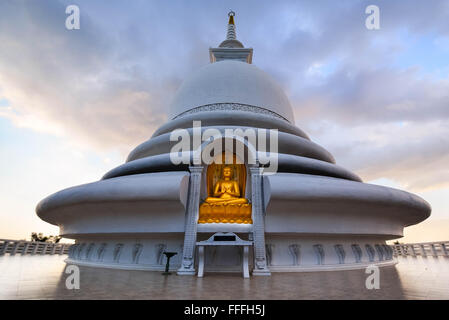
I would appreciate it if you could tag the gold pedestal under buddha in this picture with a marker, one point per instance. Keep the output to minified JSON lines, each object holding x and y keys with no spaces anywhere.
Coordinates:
{"x":225,"y":213}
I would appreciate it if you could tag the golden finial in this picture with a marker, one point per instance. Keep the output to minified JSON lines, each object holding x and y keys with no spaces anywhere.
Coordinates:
{"x":231,"y":15}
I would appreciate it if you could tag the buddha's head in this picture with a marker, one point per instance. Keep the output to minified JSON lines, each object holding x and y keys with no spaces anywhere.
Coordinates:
{"x":227,"y":172}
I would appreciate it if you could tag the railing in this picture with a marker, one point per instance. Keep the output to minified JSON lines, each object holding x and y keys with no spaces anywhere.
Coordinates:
{"x":422,"y":249}
{"x":32,"y":247}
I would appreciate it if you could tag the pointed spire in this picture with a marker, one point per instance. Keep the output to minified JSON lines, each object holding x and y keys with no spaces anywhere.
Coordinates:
{"x":231,"y":38}
{"x":231,"y":15}
{"x":231,"y":35}
{"x":231,"y":48}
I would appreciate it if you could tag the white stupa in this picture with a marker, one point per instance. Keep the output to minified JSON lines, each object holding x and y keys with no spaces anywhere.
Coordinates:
{"x":310,"y":215}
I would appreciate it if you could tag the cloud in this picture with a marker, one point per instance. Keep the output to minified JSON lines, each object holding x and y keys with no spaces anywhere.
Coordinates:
{"x":381,"y":123}
{"x":414,"y":156}
{"x":376,"y":96}
{"x":108,"y":85}
{"x":75,"y":83}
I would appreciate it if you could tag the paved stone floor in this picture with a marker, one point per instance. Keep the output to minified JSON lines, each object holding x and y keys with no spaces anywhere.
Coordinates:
{"x":43,"y":277}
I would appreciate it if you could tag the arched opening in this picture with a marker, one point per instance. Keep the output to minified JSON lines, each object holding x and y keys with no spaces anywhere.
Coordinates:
{"x":226,"y":185}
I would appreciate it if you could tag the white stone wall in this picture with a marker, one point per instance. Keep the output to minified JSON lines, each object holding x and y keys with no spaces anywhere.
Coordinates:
{"x":285,"y":253}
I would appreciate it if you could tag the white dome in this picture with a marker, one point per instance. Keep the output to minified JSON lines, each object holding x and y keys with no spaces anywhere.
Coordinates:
{"x":230,"y":81}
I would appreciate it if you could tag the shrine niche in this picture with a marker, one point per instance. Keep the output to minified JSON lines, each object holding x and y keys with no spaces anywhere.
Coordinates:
{"x":226,"y":185}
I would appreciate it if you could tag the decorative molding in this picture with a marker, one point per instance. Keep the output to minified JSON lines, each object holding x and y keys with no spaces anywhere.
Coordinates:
{"x":388,"y":252}
{"x":231,"y":107}
{"x":160,"y":248}
{"x":341,"y":254}
{"x":117,"y":251}
{"x":319,"y":252}
{"x":380,"y":252}
{"x":293,"y":255}
{"x":80,"y":250}
{"x":137,"y":250}
{"x":269,"y":252}
{"x":357,"y":252}
{"x":89,"y":250}
{"x":370,"y":251}
{"x":294,"y":251}
{"x":100,"y":251}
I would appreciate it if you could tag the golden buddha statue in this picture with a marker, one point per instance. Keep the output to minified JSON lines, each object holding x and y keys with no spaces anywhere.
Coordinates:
{"x":225,"y":204}
{"x":226,"y":191}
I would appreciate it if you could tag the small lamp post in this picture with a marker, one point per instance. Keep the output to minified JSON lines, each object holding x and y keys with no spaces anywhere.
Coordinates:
{"x":167,"y":265}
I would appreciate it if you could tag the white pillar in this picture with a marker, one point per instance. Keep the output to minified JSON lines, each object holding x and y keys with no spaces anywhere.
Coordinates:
{"x":201,"y":261}
{"x":193,"y":203}
{"x":245,"y":262}
{"x":260,"y":259}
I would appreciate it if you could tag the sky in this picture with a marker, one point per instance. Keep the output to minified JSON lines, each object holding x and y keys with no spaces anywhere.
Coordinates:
{"x":74,"y":103}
